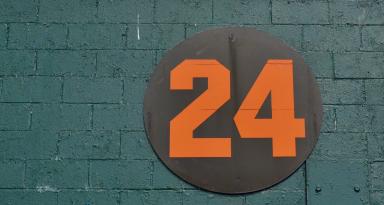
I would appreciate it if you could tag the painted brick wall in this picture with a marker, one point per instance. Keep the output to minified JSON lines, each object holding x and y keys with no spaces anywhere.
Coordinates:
{"x":72,"y":79}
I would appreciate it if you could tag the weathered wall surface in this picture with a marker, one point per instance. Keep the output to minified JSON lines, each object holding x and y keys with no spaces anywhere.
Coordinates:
{"x":72,"y":79}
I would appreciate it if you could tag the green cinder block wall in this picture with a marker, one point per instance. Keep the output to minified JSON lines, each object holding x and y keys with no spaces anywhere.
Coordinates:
{"x":73,"y":75}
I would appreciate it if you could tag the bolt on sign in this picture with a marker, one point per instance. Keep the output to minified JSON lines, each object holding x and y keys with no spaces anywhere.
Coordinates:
{"x":232,"y":110}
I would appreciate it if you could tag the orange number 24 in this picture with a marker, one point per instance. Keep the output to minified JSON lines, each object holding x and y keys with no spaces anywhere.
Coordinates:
{"x":276,"y":78}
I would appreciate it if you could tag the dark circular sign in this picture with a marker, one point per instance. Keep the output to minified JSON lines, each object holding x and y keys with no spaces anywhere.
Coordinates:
{"x":232,"y":110}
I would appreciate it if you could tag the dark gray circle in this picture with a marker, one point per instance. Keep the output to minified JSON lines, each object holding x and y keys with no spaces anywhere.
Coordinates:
{"x":244,"y":51}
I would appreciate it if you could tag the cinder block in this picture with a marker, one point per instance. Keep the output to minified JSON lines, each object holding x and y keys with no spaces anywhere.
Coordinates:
{"x":56,"y":174}
{"x":14,"y":116}
{"x":97,"y":36}
{"x":66,"y":63}
{"x":20,"y":197}
{"x":373,"y":38}
{"x":377,"y":177}
{"x":128,"y":11}
{"x":359,"y":65}
{"x":37,"y":36}
{"x":12,"y":174}
{"x":100,"y":90}
{"x":341,"y":146}
{"x":300,"y":12}
{"x":134,"y":89}
{"x":28,"y":144}
{"x":88,"y":197}
{"x":357,"y":12}
{"x":374,"y":89}
{"x":192,"y":197}
{"x":118,"y":117}
{"x":18,"y":11}
{"x":341,"y":91}
{"x":337,"y":182}
{"x":376,"y":146}
{"x":195,"y":11}
{"x":153,"y":197}
{"x":61,"y":117}
{"x":89,"y":145}
{"x":154,"y":36}
{"x":295,"y":182}
{"x":276,"y":197}
{"x":376,"y":114}
{"x":320,"y":63}
{"x":67,"y":11}
{"x":131,"y":63}
{"x":31,"y":89}
{"x":331,"y":38}
{"x":17,"y":62}
{"x":243,"y":12}
{"x":3,"y":35}
{"x":352,"y":118}
{"x":329,"y":119}
{"x":135,"y":174}
{"x":135,"y":145}
{"x":376,"y":198}
{"x":163,"y":178}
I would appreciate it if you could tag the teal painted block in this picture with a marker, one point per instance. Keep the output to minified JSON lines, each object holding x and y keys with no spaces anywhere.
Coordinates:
{"x":289,"y":34}
{"x":28,"y":144}
{"x":373,"y":38}
{"x":328,"y":123}
{"x":194,"y":11}
{"x":163,"y":178}
{"x":85,"y":90}
{"x":241,"y":12}
{"x":31,"y":197}
{"x":131,"y":63}
{"x":341,"y":91}
{"x":154,"y":36}
{"x":359,"y":65}
{"x":89,"y":145}
{"x":134,"y":89}
{"x":88,"y":198}
{"x":17,"y":62}
{"x":37,"y":36}
{"x":15,"y":116}
{"x":31,"y":89}
{"x":61,"y":117}
{"x":118,"y":117}
{"x":127,"y":11}
{"x":12,"y":174}
{"x":192,"y":197}
{"x":376,"y":118}
{"x":18,"y":11}
{"x":331,"y":38}
{"x":352,"y":118}
{"x":377,"y":198}
{"x":66,"y":63}
{"x":97,"y":36}
{"x":135,"y":145}
{"x":3,"y":35}
{"x":341,"y":146}
{"x":320,"y":63}
{"x":336,"y":181}
{"x":357,"y":12}
{"x":153,"y":197}
{"x":276,"y":198}
{"x":376,"y":176}
{"x":300,"y":12}
{"x":67,"y":11}
{"x":374,"y":89}
{"x":112,"y":174}
{"x":55,"y":174}
{"x":376,"y":146}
